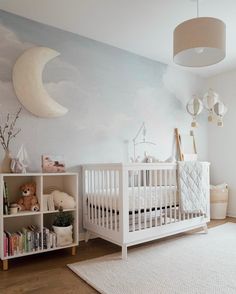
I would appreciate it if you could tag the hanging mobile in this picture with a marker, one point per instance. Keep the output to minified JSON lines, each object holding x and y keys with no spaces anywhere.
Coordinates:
{"x":209,"y":100}
{"x":220,"y":110}
{"x":194,"y":108}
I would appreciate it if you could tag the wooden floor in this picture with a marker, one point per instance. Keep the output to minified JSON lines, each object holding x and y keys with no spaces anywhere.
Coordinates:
{"x":47,"y":273}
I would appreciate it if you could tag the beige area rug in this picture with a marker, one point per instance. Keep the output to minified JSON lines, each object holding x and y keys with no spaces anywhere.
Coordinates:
{"x":196,"y":263}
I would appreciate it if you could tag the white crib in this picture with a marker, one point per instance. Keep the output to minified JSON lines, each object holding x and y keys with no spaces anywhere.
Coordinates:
{"x":129,"y":204}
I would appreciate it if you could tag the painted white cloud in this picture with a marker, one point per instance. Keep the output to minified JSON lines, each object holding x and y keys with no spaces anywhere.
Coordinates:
{"x":10,"y":49}
{"x":64,"y":83}
{"x":181,"y":84}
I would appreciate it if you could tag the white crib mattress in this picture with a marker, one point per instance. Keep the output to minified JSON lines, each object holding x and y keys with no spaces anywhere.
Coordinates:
{"x":140,"y":198}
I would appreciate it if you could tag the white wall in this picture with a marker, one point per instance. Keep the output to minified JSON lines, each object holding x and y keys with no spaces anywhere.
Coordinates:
{"x":222,"y":141}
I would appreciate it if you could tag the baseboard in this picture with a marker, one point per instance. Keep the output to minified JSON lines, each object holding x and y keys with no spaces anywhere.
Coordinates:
{"x":231,"y":214}
{"x":82,"y":236}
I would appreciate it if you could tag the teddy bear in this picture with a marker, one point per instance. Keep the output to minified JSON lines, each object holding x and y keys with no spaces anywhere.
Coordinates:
{"x":63,"y":200}
{"x":28,"y":201}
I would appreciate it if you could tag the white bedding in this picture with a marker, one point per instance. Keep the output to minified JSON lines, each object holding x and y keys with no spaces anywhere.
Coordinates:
{"x":139,"y":198}
{"x":193,"y":186}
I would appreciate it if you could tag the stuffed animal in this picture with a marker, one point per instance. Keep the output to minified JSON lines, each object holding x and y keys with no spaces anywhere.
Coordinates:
{"x":28,"y":201}
{"x":63,"y":200}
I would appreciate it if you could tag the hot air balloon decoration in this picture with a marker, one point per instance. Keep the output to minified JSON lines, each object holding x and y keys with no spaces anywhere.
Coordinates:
{"x":209,"y":100}
{"x":220,"y":110}
{"x":194,"y":108}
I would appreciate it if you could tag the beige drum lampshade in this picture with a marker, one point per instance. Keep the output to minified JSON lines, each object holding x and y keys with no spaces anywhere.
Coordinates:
{"x":199,"y":42}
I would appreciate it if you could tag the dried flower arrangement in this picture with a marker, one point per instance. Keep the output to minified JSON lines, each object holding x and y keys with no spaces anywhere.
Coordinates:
{"x":8,"y":130}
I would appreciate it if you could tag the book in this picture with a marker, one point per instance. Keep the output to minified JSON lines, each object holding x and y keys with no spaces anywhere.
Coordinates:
{"x":45,"y":238}
{"x":5,"y":242}
{"x":51,"y":205}
{"x":20,"y":242}
{"x":45,"y":202}
{"x":5,"y":199}
{"x":14,"y":241}
{"x":50,"y":239}
{"x":27,"y":240}
{"x":48,"y":202}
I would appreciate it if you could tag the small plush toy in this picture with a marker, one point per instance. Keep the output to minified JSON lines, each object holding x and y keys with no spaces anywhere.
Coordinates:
{"x":28,"y":201}
{"x":63,"y":200}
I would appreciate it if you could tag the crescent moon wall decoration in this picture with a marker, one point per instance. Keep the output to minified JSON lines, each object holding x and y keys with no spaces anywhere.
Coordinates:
{"x":28,"y":84}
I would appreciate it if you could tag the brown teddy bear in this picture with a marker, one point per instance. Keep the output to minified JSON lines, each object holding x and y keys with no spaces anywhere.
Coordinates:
{"x":28,"y":201}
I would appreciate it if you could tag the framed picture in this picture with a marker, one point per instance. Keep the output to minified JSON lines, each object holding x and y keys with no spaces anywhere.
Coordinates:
{"x":53,"y":164}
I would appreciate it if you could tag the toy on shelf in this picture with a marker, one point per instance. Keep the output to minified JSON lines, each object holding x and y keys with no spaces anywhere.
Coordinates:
{"x":29,"y":200}
{"x":20,"y":164}
{"x":63,"y":200}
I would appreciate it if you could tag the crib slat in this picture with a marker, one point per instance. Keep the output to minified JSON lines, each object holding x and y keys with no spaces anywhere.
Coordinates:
{"x":170,"y":193}
{"x":145,"y":198}
{"x":113,"y":199}
{"x":107,"y":187}
{"x":89,"y":191}
{"x":139,"y":201}
{"x":156,"y":200}
{"x":89,"y":195}
{"x":174,"y":184}
{"x":160,"y":183}
{"x":92,"y":197}
{"x":133,"y":200}
{"x":115,"y":203}
{"x":99,"y":193}
{"x":150,"y":198}
{"x":155,"y":197}
{"x":103,"y":202}
{"x":110,"y":199}
{"x":95,"y":197}
{"x":166,"y":194}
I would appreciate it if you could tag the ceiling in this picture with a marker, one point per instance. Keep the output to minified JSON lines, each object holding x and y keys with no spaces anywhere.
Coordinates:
{"x":144,"y":27}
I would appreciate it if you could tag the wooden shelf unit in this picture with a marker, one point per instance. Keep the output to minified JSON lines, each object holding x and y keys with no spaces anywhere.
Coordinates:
{"x":66,"y":182}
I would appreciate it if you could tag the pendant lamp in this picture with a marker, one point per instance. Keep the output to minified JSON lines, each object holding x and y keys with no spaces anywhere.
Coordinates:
{"x":199,"y":41}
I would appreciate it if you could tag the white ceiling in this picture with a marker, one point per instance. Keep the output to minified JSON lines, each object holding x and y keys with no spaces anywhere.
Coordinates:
{"x":144,"y":27}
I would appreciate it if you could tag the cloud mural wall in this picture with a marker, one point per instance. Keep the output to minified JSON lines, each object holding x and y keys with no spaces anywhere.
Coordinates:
{"x":109,"y":93}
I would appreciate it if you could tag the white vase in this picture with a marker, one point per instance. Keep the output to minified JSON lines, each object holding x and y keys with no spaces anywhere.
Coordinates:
{"x":64,"y":235}
{"x":6,"y":162}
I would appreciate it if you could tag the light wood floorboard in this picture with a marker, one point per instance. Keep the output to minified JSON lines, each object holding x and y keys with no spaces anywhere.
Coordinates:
{"x":47,"y":273}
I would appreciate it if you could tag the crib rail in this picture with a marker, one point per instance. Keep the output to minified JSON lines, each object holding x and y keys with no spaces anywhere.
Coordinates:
{"x":152,"y":197}
{"x":121,"y":200}
{"x":101,"y":204}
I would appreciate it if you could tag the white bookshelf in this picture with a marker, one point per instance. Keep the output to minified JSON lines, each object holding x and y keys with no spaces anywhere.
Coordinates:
{"x":66,"y":182}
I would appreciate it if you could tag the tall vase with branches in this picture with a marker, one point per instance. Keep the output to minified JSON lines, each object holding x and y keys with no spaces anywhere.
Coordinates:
{"x":8,"y":133}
